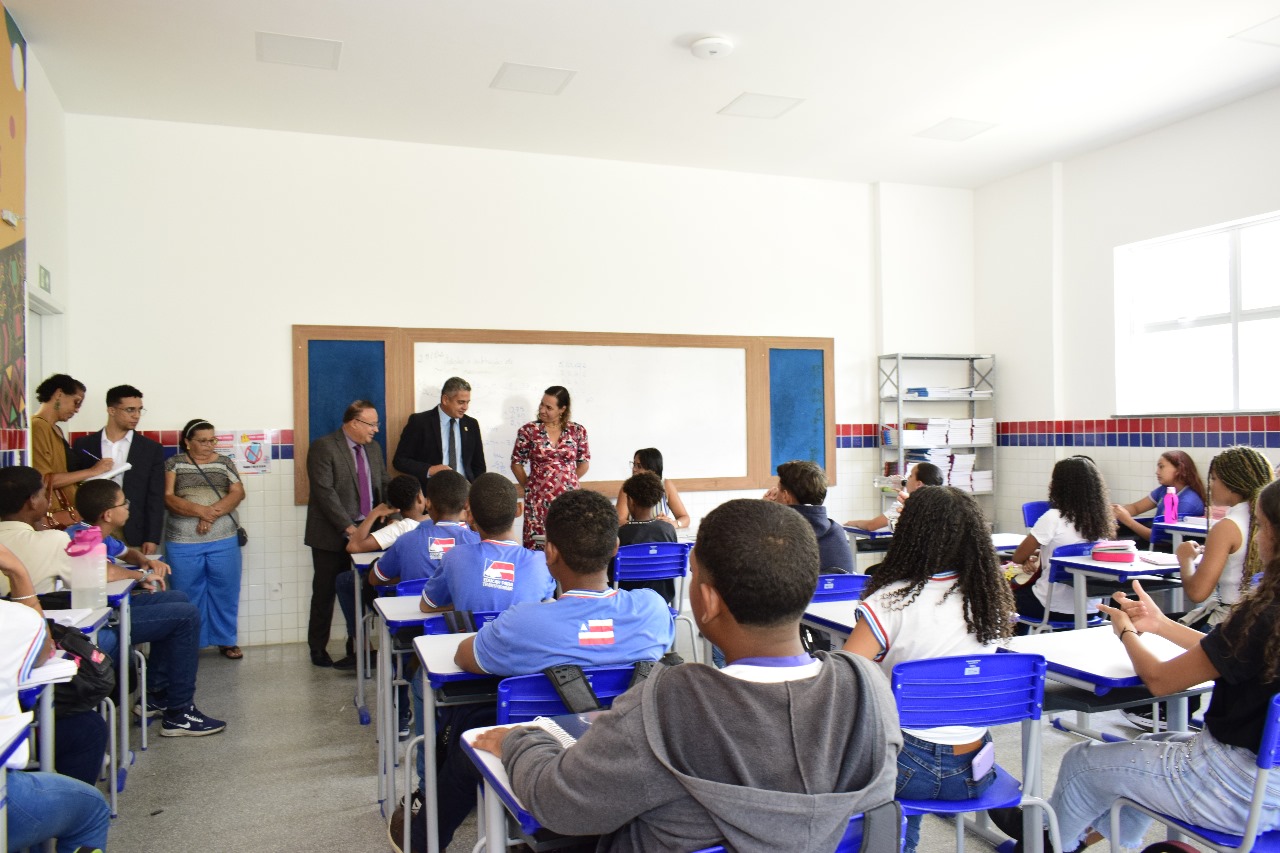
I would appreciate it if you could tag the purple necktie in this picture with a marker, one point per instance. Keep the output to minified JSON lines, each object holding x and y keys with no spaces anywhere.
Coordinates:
{"x":362,"y":482}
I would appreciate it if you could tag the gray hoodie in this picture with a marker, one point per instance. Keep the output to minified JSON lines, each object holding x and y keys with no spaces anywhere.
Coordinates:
{"x":693,"y":758}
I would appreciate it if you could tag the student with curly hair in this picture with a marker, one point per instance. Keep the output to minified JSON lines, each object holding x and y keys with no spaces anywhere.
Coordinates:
{"x":1216,"y":574}
{"x":939,"y":592}
{"x":1202,"y":777}
{"x":1079,"y":511}
{"x":1174,"y":469}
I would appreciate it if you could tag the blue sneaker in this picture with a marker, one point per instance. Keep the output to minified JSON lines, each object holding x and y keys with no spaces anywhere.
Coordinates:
{"x":189,"y":722}
{"x":153,"y":709}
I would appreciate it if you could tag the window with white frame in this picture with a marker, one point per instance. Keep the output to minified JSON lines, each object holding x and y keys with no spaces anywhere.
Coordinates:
{"x":1198,"y":320}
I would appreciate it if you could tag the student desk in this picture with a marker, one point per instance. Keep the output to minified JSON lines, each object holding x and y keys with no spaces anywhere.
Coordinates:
{"x":832,"y":617}
{"x":1082,"y":568}
{"x":13,"y":733}
{"x":443,"y":683}
{"x":1193,"y":526}
{"x":1093,"y":661}
{"x":394,"y":612}
{"x":361,"y":563}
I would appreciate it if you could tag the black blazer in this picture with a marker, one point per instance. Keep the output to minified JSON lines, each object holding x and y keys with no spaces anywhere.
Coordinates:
{"x":143,"y":485}
{"x":419,"y":446}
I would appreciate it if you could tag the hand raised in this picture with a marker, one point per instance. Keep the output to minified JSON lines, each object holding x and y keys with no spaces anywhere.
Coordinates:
{"x":1143,"y":613}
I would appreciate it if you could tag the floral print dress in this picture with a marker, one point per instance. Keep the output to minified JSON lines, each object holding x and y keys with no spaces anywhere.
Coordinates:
{"x":553,"y":470}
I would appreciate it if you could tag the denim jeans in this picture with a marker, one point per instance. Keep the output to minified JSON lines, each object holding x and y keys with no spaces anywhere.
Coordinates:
{"x":46,"y":805}
{"x":1188,"y":775}
{"x":171,"y":624}
{"x":209,"y":573}
{"x":931,"y":771}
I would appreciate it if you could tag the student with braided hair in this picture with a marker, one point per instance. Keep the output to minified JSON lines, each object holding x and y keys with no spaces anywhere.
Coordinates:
{"x":939,"y":592}
{"x":1216,"y":574}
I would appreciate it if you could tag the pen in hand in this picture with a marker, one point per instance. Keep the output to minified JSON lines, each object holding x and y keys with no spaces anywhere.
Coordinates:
{"x":90,"y":455}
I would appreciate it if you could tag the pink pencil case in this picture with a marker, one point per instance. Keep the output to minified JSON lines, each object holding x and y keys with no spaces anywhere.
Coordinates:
{"x":1115,"y":551}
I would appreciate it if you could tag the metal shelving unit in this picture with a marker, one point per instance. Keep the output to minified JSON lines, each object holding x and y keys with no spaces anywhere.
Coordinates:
{"x":899,"y":371}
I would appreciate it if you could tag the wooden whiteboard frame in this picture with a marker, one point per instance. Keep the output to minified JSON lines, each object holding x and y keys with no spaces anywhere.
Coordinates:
{"x":399,"y":347}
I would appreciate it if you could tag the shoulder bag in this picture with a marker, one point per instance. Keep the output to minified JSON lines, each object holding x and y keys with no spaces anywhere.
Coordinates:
{"x":58,"y":519}
{"x":242,"y":535}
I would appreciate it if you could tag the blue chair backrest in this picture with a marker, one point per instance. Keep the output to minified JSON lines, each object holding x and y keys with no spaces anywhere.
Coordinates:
{"x":972,"y":690}
{"x":526,"y":697}
{"x":850,"y":843}
{"x":1057,"y":574}
{"x":413,"y":587}
{"x":437,"y":624}
{"x":1269,"y":746}
{"x":651,"y":561}
{"x":840,"y":587}
{"x":1031,"y":512}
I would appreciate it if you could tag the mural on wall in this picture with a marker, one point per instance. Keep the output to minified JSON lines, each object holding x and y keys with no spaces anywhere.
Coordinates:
{"x":13,"y":246}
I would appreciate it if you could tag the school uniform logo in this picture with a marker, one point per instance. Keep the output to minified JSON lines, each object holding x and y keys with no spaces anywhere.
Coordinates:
{"x":596,"y":632}
{"x":437,"y":547}
{"x":499,"y":575}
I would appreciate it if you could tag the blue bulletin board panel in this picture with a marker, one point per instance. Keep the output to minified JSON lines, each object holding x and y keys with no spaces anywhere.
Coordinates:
{"x":341,"y":372}
{"x":797,"y":410}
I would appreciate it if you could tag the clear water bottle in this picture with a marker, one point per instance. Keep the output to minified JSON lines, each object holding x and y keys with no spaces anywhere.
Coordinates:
{"x":1170,"y":505}
{"x":88,"y":555}
{"x":891,"y":484}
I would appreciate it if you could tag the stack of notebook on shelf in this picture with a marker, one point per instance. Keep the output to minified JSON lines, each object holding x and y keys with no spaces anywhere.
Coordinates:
{"x":940,"y":456}
{"x":960,"y":431}
{"x":983,"y":430}
{"x":932,"y":392}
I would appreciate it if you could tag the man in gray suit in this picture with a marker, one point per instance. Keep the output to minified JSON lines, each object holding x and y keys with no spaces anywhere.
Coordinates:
{"x":348,"y":477}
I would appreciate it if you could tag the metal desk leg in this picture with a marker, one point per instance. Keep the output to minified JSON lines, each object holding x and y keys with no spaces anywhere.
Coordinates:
{"x":387,"y":736}
{"x":495,"y":820}
{"x":429,"y":779}
{"x":362,"y":710}
{"x":124,"y":657}
{"x":1079,"y":589}
{"x":46,"y":728}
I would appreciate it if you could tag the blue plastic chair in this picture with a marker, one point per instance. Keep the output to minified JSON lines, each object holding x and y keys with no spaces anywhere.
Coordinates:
{"x":526,"y":697}
{"x":1031,"y":512}
{"x":850,"y":843}
{"x":1058,"y":574}
{"x":840,"y":587}
{"x":1268,"y":752}
{"x":413,"y":587}
{"x":978,"y":691}
{"x":658,"y":561}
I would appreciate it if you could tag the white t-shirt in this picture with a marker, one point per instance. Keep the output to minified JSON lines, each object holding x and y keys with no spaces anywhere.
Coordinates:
{"x":1228,"y":589}
{"x":392,"y":532}
{"x":772,"y":674}
{"x":22,"y":635}
{"x":932,"y":626}
{"x":1051,"y":531}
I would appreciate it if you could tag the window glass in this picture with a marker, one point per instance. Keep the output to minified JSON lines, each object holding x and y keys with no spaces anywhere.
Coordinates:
{"x":1260,"y":266}
{"x":1258,"y":386}
{"x":1184,"y":278}
{"x":1185,"y":370}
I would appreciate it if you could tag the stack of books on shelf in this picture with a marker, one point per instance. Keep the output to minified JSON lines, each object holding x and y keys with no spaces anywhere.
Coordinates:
{"x":932,"y":393}
{"x":960,"y":431}
{"x":983,"y":430}
{"x":940,"y":456}
{"x":983,"y":481}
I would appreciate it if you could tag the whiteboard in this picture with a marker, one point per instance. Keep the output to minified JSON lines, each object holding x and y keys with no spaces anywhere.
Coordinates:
{"x":689,"y":402}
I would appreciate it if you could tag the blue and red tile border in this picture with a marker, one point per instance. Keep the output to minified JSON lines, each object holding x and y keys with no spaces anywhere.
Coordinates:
{"x":1197,"y":431}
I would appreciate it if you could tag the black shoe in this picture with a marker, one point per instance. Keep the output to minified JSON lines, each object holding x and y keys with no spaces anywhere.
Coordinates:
{"x":349,"y":662}
{"x":1009,"y":821}
{"x":321,"y":658}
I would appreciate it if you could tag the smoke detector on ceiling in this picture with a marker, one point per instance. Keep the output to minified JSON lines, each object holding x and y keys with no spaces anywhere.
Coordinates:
{"x":711,"y":47}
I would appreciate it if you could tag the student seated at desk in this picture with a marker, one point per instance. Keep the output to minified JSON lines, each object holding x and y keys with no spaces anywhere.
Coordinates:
{"x":669,"y":507}
{"x":101,"y":504}
{"x":1205,"y":778}
{"x":167,"y":620}
{"x":404,"y":495}
{"x":589,"y":625}
{"x":640,"y":492}
{"x":774,"y":752}
{"x":802,"y":486}
{"x":40,"y":805}
{"x":922,"y":474}
{"x":1079,"y":511}
{"x":1174,"y":469}
{"x":939,"y":592}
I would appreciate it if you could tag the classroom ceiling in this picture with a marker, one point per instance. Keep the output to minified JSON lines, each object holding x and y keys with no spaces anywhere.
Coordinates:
{"x":1053,"y":77}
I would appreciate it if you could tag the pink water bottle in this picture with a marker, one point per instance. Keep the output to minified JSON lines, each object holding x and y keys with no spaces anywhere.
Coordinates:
{"x":1170,"y":505}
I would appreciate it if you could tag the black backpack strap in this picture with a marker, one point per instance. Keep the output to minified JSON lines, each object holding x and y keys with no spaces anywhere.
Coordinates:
{"x":882,"y":828}
{"x":459,"y":621}
{"x":574,"y":689}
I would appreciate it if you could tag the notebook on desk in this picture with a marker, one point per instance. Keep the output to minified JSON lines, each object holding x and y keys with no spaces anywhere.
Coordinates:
{"x":565,"y":728}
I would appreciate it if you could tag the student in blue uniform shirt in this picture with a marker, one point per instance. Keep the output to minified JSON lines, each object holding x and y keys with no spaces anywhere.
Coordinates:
{"x":642,"y":492}
{"x":589,"y":625}
{"x":497,"y":571}
{"x":417,"y":554}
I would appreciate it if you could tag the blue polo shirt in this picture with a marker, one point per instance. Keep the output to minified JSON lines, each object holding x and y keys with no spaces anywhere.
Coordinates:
{"x":489,"y":575}
{"x":417,"y":554}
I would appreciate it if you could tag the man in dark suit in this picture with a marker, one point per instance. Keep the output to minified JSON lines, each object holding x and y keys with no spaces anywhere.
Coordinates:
{"x":347,"y":478}
{"x":143,"y":483}
{"x":443,"y":437}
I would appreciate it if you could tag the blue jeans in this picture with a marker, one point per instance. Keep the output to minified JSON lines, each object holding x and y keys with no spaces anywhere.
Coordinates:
{"x":171,"y":624}
{"x":46,"y":805}
{"x":1188,"y":775}
{"x":209,"y":573}
{"x":931,"y":771}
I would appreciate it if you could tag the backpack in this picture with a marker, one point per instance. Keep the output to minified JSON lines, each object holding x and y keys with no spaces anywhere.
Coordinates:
{"x":95,"y":678}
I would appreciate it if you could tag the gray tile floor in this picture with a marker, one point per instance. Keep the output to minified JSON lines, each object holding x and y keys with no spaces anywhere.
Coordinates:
{"x":295,"y":771}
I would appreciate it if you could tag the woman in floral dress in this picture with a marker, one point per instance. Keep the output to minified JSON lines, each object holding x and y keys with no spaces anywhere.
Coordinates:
{"x":555,"y":449}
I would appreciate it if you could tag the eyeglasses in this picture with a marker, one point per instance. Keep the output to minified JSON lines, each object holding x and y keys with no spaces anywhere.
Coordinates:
{"x":205,"y":441}
{"x":125,"y":505}
{"x":366,"y":423}
{"x":131,"y":410}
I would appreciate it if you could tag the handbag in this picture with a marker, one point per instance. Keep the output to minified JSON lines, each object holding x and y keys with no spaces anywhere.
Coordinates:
{"x":95,"y":677}
{"x":58,"y":519}
{"x":242,"y":535}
